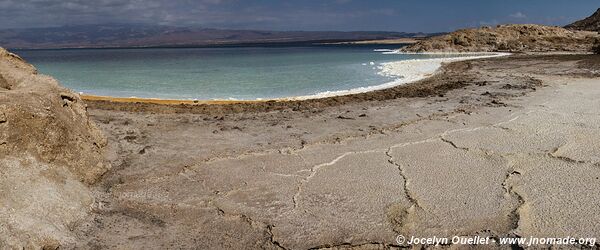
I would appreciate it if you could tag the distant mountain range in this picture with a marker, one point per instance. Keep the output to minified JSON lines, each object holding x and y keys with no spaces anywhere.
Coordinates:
{"x":120,"y":35}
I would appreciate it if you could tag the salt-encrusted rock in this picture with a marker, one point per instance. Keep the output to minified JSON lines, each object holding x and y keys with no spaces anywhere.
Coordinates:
{"x":513,"y":38}
{"x":49,"y":152}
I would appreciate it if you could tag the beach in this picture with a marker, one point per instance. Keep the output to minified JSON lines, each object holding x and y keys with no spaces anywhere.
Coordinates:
{"x":493,"y":147}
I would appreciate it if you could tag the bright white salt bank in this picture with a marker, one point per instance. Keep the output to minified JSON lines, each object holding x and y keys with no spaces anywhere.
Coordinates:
{"x":406,"y":71}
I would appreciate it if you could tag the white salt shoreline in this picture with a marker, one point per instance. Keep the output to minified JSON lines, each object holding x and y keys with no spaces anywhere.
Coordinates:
{"x":406,"y":71}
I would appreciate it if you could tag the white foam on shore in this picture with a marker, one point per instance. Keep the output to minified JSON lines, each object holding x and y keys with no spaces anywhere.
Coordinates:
{"x":405,"y":71}
{"x":384,"y":50}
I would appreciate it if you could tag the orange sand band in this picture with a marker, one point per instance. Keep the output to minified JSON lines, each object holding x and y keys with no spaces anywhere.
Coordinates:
{"x":86,"y":97}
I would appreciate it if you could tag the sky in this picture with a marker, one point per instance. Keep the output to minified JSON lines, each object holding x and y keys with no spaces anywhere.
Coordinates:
{"x":342,"y":15}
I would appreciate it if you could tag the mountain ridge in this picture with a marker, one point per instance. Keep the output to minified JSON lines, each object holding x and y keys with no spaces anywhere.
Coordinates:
{"x":120,"y":35}
{"x":591,"y":23}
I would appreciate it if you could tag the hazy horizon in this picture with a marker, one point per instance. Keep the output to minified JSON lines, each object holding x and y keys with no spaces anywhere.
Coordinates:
{"x":114,"y":24}
{"x":327,"y":15}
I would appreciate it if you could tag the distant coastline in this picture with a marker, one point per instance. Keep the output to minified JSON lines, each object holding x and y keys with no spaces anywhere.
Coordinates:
{"x":403,"y":41}
{"x":316,"y":43}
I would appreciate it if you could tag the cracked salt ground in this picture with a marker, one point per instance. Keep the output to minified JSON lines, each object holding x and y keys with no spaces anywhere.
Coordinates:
{"x":436,"y":175}
{"x":440,"y":177}
{"x":560,"y":197}
{"x":521,"y":170}
{"x":344,"y":201}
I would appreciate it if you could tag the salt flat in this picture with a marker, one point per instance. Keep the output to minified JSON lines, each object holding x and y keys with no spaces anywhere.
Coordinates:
{"x":509,"y":150}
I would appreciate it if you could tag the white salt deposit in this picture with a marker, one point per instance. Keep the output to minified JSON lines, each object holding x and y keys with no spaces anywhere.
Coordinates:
{"x":405,"y":71}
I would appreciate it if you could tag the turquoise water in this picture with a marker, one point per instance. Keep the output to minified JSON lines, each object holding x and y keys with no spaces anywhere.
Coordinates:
{"x":214,"y":73}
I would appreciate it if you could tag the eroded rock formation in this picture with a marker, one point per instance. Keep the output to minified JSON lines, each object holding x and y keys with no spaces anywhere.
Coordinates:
{"x":513,"y":38}
{"x":591,"y":23}
{"x":49,"y":152}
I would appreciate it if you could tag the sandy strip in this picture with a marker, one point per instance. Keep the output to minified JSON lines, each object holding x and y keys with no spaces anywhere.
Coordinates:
{"x":88,"y":97}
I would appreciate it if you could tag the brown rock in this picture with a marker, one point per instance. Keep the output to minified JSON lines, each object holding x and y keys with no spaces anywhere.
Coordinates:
{"x":591,"y":23}
{"x":3,"y":83}
{"x":513,"y":38}
{"x":48,"y":121}
{"x":49,"y":151}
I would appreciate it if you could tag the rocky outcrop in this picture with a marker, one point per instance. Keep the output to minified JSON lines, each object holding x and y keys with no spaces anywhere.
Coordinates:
{"x":591,"y":23}
{"x":49,"y":153}
{"x":511,"y":38}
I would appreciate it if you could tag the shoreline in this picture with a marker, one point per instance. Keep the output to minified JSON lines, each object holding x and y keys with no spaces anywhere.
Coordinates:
{"x":506,"y":123}
{"x":418,"y":69}
{"x":408,"y":40}
{"x":88,"y":97}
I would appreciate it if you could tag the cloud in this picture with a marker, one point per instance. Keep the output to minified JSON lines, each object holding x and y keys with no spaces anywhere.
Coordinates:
{"x":234,"y":14}
{"x":273,"y":14}
{"x":489,"y":23}
{"x":37,"y":13}
{"x":517,"y":15}
{"x":342,"y":1}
